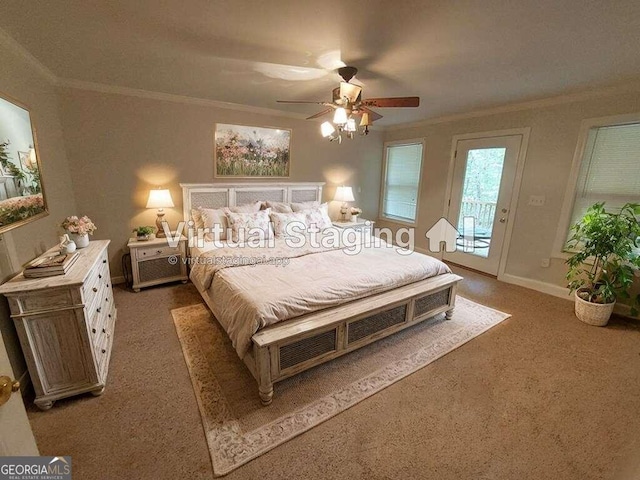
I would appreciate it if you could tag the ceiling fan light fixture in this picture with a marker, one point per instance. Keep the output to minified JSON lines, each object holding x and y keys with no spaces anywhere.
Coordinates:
{"x":327,"y":129}
{"x":340,"y":117}
{"x":351,"y":125}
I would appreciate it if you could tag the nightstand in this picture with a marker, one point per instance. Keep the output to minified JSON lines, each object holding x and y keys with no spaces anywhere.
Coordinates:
{"x":154,"y":262}
{"x":361,"y":224}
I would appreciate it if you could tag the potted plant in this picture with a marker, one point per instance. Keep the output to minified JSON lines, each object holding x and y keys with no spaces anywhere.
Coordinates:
{"x":144,"y":233}
{"x":355,"y":211}
{"x":606,"y":258}
{"x":79,"y":229}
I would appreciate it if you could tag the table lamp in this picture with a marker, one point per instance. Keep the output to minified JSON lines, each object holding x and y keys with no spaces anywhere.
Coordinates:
{"x":344,"y":195}
{"x":160,"y":198}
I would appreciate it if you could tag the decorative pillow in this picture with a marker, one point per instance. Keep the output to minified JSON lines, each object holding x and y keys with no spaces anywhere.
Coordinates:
{"x":196,"y":216}
{"x":246,"y":208}
{"x":249,"y":226}
{"x":211,"y":217}
{"x":281,"y":220}
{"x":318,"y":216}
{"x":298,"y":207}
{"x":278,"y":207}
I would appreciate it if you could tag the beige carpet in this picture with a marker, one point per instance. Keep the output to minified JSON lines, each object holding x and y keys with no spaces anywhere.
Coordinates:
{"x":238,"y":428}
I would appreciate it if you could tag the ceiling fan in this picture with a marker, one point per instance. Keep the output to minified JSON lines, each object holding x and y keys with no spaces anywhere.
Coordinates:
{"x":347,"y":104}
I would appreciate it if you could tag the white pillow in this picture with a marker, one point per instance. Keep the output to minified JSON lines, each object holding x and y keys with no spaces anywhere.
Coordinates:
{"x":281,"y":220}
{"x":278,"y":207}
{"x":211,"y":217}
{"x":246,"y":208}
{"x":298,"y":207}
{"x":318,"y":216}
{"x":196,"y":216}
{"x":249,"y":226}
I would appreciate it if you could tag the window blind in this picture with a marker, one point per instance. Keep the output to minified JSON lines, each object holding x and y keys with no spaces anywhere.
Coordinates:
{"x":610,"y":169}
{"x":402,"y":177}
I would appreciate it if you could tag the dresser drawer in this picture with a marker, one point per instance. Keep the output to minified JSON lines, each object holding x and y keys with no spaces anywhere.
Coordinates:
{"x":156,"y":252}
{"x":98,"y":277}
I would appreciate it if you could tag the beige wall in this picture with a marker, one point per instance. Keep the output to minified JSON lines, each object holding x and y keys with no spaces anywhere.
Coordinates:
{"x":121,"y":146}
{"x":554,"y":135}
{"x":20,"y":81}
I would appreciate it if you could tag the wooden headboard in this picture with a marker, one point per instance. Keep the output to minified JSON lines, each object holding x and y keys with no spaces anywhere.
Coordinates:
{"x":219,"y":195}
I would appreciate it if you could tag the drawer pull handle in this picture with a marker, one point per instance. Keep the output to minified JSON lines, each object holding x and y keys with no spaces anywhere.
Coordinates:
{"x":99,"y":275}
{"x":93,"y":330}
{"x":98,"y":309}
{"x":158,"y":251}
{"x":104,"y":351}
{"x":104,"y":261}
{"x":109,"y":315}
{"x":94,"y":289}
{"x":106,"y":299}
{"x":104,"y":330}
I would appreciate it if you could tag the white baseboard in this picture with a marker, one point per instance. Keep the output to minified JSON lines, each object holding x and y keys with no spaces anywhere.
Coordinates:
{"x":544,"y":287}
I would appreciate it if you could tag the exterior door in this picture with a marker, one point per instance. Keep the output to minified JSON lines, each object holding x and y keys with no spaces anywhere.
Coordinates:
{"x":481,"y":189}
{"x":16,"y":437}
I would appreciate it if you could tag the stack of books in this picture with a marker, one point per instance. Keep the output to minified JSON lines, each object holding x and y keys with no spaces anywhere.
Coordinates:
{"x":49,"y":265}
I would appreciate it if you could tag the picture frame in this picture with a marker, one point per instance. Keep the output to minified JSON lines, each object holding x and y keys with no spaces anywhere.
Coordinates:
{"x":22,"y":195}
{"x":246,"y":151}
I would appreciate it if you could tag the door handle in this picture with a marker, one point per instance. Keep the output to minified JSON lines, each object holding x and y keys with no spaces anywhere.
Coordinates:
{"x":504,"y":210}
{"x":7,"y":387}
{"x":503,"y":220}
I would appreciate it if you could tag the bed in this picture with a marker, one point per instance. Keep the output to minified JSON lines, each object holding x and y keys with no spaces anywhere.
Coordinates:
{"x":324,"y":303}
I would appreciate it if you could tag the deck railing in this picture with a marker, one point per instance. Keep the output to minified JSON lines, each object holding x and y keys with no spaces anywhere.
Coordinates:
{"x":483,"y":212}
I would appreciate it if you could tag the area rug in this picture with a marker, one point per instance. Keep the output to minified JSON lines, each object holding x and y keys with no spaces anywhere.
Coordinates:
{"x":238,"y":428}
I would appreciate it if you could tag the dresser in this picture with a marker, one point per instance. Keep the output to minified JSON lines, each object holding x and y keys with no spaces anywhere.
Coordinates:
{"x":65,"y":324}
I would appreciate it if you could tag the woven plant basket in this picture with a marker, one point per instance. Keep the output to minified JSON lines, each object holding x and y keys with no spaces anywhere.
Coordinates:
{"x":597,"y":314}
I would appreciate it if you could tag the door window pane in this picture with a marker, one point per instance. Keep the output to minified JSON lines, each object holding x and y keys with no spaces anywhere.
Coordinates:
{"x":482,"y":177}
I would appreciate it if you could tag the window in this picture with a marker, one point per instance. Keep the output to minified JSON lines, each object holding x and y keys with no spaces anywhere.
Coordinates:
{"x":606,"y":169}
{"x":610,"y":169}
{"x":403,"y":162}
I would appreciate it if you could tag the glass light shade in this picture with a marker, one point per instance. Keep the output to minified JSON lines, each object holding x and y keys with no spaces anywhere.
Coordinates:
{"x":351,"y":125}
{"x":327,"y":129}
{"x":160,"y":198}
{"x":364,"y":121}
{"x":344,"y":194}
{"x":340,"y":117}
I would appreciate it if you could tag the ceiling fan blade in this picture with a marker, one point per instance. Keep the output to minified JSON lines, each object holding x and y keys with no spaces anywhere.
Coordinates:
{"x":319,"y":114}
{"x":326,"y":104}
{"x":392,"y":102}
{"x":373,"y":116}
{"x":350,"y":91}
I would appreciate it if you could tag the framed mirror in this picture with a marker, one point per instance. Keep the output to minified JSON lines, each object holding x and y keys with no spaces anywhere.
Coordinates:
{"x":22,"y":197}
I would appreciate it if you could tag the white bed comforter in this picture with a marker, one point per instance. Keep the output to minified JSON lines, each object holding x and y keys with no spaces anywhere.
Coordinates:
{"x":250,"y":297}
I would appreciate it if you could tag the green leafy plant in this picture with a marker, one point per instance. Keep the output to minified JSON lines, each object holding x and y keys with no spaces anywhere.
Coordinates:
{"x":144,"y":231}
{"x":606,"y":246}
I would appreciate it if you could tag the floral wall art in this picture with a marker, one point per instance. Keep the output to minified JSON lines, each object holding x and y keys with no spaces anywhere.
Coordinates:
{"x":246,"y":151}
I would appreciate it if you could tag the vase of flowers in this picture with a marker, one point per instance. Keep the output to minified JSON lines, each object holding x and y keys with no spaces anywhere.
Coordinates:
{"x":355,"y":211}
{"x":79,"y":229}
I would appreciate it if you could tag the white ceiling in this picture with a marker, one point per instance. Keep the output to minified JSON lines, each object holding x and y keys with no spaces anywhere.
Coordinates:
{"x":456,"y":55}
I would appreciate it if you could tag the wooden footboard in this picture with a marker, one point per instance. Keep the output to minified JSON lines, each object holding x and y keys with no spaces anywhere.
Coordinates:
{"x":286,"y":349}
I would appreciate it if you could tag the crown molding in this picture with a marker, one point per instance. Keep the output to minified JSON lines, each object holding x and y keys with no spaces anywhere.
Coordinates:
{"x":18,"y":50}
{"x":170,"y":97}
{"x":629,"y":87}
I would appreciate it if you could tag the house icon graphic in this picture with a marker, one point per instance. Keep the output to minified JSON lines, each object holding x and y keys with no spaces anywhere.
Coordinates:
{"x":442,"y":232}
{"x":58,"y":459}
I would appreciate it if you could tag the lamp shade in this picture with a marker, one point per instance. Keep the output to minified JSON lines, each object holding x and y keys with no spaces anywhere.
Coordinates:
{"x":327,"y":129}
{"x":344,"y":194}
{"x":160,"y":198}
{"x":351,"y":125}
{"x":340,"y":116}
